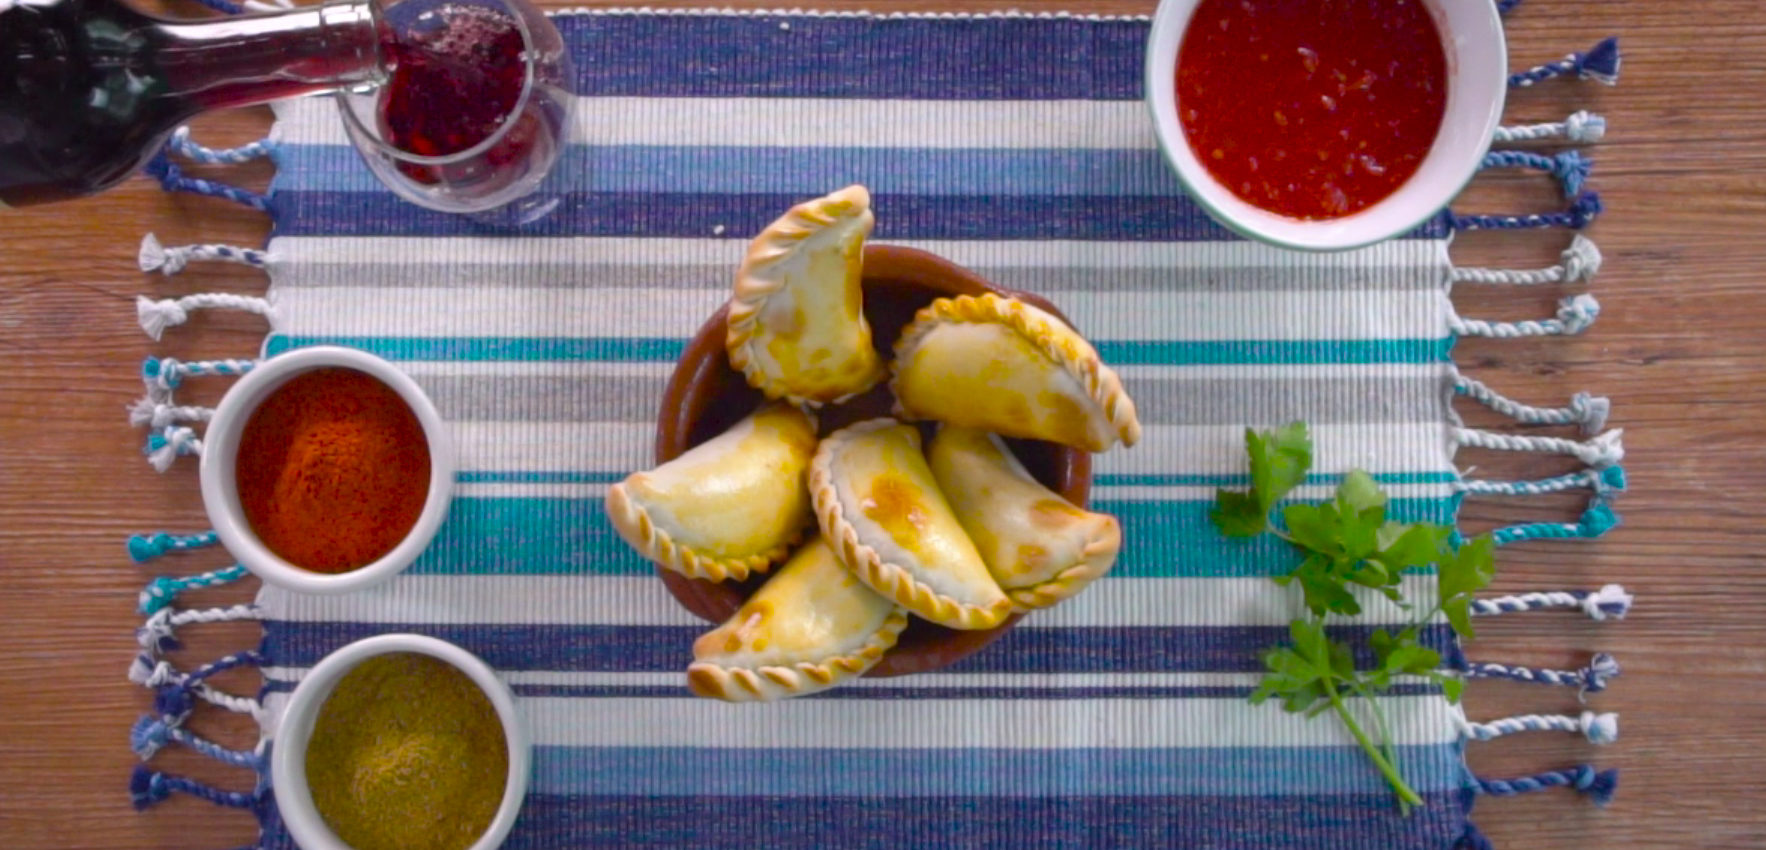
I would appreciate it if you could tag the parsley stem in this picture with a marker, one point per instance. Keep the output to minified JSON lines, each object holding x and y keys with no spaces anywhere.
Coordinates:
{"x":1384,"y":728}
{"x":1405,"y":794}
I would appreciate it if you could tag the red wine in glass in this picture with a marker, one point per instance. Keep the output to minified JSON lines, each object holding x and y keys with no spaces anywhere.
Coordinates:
{"x":474,"y":111}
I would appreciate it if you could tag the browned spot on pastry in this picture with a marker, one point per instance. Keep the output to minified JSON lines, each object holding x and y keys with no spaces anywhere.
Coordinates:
{"x":1031,"y":557}
{"x":703,"y":682}
{"x":821,"y":676}
{"x":780,"y":677}
{"x":1067,"y":419}
{"x":1054,"y":513}
{"x":894,"y":505}
{"x":1017,"y":410}
{"x":733,"y":643}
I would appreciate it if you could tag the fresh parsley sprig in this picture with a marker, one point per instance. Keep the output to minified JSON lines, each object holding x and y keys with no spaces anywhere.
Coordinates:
{"x":1346,"y":543}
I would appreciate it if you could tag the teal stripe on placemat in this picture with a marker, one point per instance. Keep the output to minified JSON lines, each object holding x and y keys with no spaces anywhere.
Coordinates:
{"x":561,"y":536}
{"x":651,"y":350}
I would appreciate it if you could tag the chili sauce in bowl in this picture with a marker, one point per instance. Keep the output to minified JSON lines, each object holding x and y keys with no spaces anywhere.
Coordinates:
{"x":1325,"y":124}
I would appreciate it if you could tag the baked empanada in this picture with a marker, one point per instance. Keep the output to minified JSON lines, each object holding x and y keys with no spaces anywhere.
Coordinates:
{"x":879,"y":507}
{"x":1038,"y":546}
{"x":1004,"y":366}
{"x":810,"y":626}
{"x":796,"y":327}
{"x":728,"y":507}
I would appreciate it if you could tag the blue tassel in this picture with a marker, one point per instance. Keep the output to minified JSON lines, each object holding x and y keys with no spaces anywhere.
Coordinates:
{"x":1599,"y":786}
{"x":1472,"y":838}
{"x":1571,"y":169}
{"x":1613,"y":477}
{"x":146,"y":547}
{"x":173,"y":701}
{"x":153,"y":372}
{"x":146,"y":787}
{"x":1601,"y":63}
{"x":1597,"y":520}
{"x":1601,"y":668}
{"x":149,"y":735}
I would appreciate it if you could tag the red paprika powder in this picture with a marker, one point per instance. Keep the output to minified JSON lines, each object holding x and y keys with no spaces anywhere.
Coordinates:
{"x":333,"y":470}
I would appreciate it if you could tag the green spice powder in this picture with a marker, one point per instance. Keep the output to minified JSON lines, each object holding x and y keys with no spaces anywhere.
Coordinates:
{"x":407,"y":754}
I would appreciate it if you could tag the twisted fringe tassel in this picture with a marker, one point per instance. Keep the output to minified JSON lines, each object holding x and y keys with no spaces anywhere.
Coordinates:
{"x":1588,"y":413}
{"x":1597,"y":728}
{"x":165,"y":374}
{"x":181,"y":144}
{"x":1575,"y":315}
{"x":158,"y":634}
{"x":1600,"y":63}
{"x":150,"y":734}
{"x":1588,"y":680}
{"x":1598,"y":785}
{"x":159,"y":414}
{"x":178,"y":701}
{"x":146,"y":547}
{"x":1577,"y":128}
{"x":1570,"y":168}
{"x":167,"y":446}
{"x":1598,"y":519}
{"x":1577,"y":264}
{"x":1582,"y":212}
{"x":1599,"y":452}
{"x":172,"y":179}
{"x":1606,"y":483}
{"x":164,"y":589}
{"x":145,"y":670}
{"x":169,"y":261}
{"x":147,"y":787}
{"x":156,"y":316}
{"x":1609,"y":602}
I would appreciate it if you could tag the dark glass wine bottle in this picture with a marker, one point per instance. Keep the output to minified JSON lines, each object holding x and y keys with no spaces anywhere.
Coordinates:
{"x":89,"y":89}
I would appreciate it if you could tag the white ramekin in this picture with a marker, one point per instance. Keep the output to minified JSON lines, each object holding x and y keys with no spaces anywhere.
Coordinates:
{"x":1477,"y":84}
{"x":288,"y":748}
{"x":220,"y":488}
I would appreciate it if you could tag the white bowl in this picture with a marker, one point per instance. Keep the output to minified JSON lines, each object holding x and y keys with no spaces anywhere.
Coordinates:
{"x":1477,"y":83}
{"x":288,"y":749}
{"x":220,"y":488}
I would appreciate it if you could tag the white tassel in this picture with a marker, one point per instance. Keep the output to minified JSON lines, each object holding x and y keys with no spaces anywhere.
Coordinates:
{"x":1611,"y":595}
{"x":1601,"y":452}
{"x":156,"y":316}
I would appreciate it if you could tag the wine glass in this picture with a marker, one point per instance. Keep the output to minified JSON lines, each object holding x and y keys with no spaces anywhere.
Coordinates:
{"x":475,"y":109}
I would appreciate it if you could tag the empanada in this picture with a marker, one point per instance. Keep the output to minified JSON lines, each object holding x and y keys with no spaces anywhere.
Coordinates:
{"x":728,"y":507}
{"x":1038,"y":546}
{"x":1004,"y":366}
{"x":878,"y":505}
{"x":810,"y":626}
{"x":796,"y":327}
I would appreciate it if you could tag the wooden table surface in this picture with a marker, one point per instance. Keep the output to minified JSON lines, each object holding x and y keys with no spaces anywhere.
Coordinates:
{"x":1677,"y":348}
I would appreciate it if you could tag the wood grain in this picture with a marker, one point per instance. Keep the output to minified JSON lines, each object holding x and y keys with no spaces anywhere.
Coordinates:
{"x":1678,"y":348}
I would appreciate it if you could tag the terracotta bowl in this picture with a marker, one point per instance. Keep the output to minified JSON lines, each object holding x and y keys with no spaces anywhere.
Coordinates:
{"x":705,"y":397}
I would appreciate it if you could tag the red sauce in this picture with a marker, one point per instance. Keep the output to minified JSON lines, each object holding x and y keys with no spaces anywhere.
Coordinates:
{"x":454,"y":82}
{"x":1313,"y":109}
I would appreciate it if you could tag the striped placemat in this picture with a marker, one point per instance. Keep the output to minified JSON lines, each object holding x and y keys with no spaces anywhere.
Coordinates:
{"x":1016,"y":146}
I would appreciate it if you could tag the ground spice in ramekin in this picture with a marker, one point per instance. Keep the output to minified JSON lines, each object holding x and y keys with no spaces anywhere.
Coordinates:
{"x":407,"y":753}
{"x":332,"y":470}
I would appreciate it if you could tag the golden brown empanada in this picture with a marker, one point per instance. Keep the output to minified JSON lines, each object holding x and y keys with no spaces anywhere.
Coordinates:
{"x":797,"y":330}
{"x":728,"y":507}
{"x":810,"y":626}
{"x":879,"y":506}
{"x":1004,"y":366}
{"x":1038,"y":546}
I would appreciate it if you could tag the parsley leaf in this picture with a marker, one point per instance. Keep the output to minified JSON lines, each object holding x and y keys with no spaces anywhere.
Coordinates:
{"x":1280,"y":460}
{"x":1239,"y":514}
{"x":1468,"y":571}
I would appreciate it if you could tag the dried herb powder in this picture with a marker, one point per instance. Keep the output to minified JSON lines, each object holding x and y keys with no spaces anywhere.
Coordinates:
{"x":407,"y":754}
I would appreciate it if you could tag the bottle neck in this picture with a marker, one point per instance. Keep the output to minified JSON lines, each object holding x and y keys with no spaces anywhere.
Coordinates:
{"x":259,"y":58}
